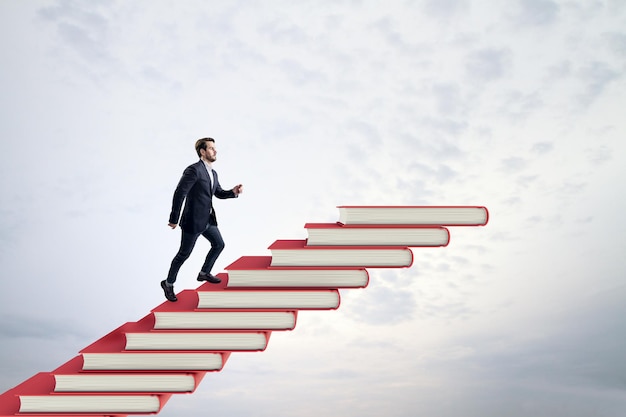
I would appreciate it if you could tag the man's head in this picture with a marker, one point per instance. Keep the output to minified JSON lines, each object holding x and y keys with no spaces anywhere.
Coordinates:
{"x":205,"y":148}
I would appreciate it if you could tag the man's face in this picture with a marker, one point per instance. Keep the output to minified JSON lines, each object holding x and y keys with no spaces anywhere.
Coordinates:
{"x":209,"y":152}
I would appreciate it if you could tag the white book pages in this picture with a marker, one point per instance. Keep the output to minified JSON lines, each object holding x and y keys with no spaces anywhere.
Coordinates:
{"x":332,"y":278}
{"x":268,"y":299}
{"x":109,"y":404}
{"x":152,"y":361}
{"x":342,"y":257}
{"x":125,"y":383}
{"x":370,"y":236}
{"x":413,"y":215}
{"x":240,"y":320}
{"x":196,"y":341}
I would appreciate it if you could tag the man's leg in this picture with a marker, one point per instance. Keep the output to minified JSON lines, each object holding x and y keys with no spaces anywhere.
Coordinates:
{"x":187,"y":242}
{"x":212,"y":233}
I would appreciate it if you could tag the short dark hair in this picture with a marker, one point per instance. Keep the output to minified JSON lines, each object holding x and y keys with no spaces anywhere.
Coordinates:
{"x":201,"y":144}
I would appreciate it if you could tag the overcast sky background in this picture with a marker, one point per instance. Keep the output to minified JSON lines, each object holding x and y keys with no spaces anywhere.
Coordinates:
{"x":516,"y":105}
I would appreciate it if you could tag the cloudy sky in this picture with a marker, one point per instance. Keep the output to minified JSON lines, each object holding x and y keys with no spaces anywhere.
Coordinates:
{"x":516,"y":105}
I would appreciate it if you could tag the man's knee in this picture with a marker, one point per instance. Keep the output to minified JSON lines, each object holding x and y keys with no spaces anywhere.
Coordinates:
{"x":218,"y":245}
{"x":182,"y":256}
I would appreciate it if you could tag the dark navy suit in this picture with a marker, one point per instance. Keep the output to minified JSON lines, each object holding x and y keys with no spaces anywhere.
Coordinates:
{"x":198,"y":218}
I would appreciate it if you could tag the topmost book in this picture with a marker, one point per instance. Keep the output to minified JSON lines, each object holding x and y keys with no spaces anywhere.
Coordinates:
{"x":414,"y":215}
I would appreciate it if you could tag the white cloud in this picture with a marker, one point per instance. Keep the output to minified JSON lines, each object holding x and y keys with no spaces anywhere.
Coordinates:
{"x":487,"y":64}
{"x":617,"y":42}
{"x":542,"y":147}
{"x":596,"y":76}
{"x":537,"y":12}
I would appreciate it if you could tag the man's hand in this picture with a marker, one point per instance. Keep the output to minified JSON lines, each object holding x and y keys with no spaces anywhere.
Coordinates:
{"x":172,"y":225}
{"x":238,"y":189}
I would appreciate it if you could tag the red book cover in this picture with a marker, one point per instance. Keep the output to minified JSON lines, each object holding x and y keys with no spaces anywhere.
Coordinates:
{"x":300,"y":245}
{"x":187,"y":301}
{"x":115,"y":341}
{"x":338,"y":225}
{"x":39,"y":384}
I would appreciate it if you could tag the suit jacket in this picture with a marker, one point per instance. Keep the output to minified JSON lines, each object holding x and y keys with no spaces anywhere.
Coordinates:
{"x":194,"y":186}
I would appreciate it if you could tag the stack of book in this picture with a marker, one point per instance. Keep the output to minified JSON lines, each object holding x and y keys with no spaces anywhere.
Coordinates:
{"x":138,"y":366}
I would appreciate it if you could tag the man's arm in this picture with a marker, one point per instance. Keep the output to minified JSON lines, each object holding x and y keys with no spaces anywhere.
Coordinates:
{"x":220,"y":193}
{"x":189,"y":178}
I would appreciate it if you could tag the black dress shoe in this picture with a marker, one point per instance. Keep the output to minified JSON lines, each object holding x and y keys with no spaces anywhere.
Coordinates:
{"x":209,"y":278}
{"x":169,"y":292}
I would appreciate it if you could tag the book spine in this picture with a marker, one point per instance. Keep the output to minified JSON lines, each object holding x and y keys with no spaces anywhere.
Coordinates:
{"x":226,"y":320}
{"x":197,"y":341}
{"x":269,"y":299}
{"x":153,"y":361}
{"x":346,"y":257}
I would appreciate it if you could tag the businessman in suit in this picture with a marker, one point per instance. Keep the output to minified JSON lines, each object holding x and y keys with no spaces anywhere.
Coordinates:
{"x":197,"y":186}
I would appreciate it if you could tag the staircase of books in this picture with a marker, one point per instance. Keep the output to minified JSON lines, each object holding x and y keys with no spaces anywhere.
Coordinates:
{"x":137,"y":367}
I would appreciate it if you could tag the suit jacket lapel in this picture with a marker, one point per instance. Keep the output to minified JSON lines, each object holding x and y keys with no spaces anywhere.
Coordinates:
{"x":211,"y":178}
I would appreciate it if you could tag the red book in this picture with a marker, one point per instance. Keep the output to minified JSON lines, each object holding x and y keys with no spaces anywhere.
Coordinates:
{"x":296,"y":253}
{"x":174,"y":316}
{"x":257,"y":272}
{"x":141,"y":336}
{"x":36,"y":396}
{"x":415,"y":215}
{"x":336,"y":234}
{"x":71,"y":377}
{"x":109,"y":354}
{"x":256,"y":299}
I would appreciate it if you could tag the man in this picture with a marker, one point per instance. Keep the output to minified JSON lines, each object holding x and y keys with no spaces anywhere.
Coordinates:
{"x":198,"y":185}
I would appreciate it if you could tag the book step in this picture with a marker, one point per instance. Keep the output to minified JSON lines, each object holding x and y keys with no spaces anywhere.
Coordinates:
{"x":414,"y":215}
{"x":258,"y":272}
{"x":336,"y":234}
{"x":296,"y":253}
